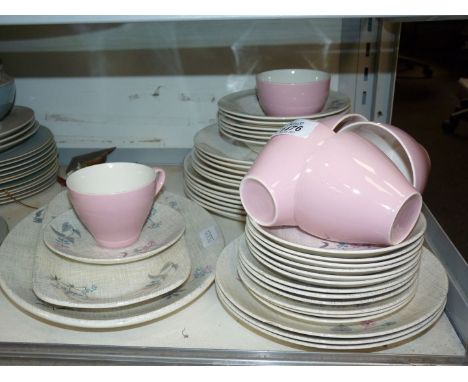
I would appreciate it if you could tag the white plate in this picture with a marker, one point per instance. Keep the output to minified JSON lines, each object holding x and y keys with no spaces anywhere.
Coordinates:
{"x":236,"y":209}
{"x":200,"y":163}
{"x":24,"y":136}
{"x":197,"y":178}
{"x":241,"y":169}
{"x":372,"y":268}
{"x":318,"y":291}
{"x":331,"y":308}
{"x":31,"y":179}
{"x":260,"y":136}
{"x":218,"y":165}
{"x":28,"y":148}
{"x":257,"y":144}
{"x":210,"y":141}
{"x":431,"y":293}
{"x":67,"y":236}
{"x":210,"y":195}
{"x":298,"y":240}
{"x":17,"y":119}
{"x":215,"y":206}
{"x":20,"y":171}
{"x":219,"y":179}
{"x":319,"y":279}
{"x":203,"y":237}
{"x":245,"y":126}
{"x":75,"y":284}
{"x":330,"y":298}
{"x":245,"y":104}
{"x":325,"y":343}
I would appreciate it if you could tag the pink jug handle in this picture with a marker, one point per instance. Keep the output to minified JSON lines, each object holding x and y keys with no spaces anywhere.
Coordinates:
{"x":160,"y":178}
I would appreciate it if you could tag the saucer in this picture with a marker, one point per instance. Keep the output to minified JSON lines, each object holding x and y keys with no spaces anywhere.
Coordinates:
{"x":245,"y":104}
{"x":67,"y":236}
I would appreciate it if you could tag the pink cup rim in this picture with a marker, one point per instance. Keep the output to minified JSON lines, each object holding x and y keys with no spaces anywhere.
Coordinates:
{"x":263,"y":76}
{"x":71,"y":178}
{"x":410,"y":221}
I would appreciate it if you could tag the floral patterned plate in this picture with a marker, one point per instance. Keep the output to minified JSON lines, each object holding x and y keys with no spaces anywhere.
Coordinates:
{"x":204,"y":241}
{"x":67,"y":236}
{"x":431,"y":294}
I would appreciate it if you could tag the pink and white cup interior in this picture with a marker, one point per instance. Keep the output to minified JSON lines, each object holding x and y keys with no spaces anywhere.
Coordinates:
{"x":113,"y":200}
{"x":292,"y":92}
{"x":404,"y":151}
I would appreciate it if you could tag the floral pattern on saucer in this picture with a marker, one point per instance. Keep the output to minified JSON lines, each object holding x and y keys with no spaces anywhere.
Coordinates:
{"x":67,"y":236}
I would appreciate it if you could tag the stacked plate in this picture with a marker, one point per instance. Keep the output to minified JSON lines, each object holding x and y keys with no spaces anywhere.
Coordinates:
{"x":213,"y":172}
{"x":316,"y":293}
{"x":51,"y":266}
{"x":241,"y":118}
{"x":28,"y":162}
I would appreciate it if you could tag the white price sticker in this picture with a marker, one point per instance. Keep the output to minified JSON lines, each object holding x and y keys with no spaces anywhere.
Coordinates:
{"x":208,"y":236}
{"x":300,"y":128}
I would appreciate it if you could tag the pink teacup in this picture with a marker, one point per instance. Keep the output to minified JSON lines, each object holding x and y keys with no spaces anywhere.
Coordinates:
{"x":339,"y":121}
{"x":350,"y":191}
{"x":267,"y":191}
{"x":113,"y":200}
{"x":408,"y":155}
{"x":292,"y":92}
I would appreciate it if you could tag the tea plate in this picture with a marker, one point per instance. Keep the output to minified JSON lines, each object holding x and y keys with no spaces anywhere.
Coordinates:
{"x":431,"y":293}
{"x":67,"y":236}
{"x":217,"y":165}
{"x":200,"y":163}
{"x":260,"y":136}
{"x":358,"y":307}
{"x":18,"y":133}
{"x":212,"y":193}
{"x":239,"y":168}
{"x":319,"y":279}
{"x":250,"y":141}
{"x":216,"y":197}
{"x":213,"y":177}
{"x":249,"y":127}
{"x":374,"y":268}
{"x":73,"y":284}
{"x":335,"y":298}
{"x":298,"y":240}
{"x":189,"y":171}
{"x":16,"y":120}
{"x":245,"y":104}
{"x":202,"y":235}
{"x":212,"y":142}
{"x":325,"y":343}
{"x":321,"y":291}
{"x":28,"y":148}
{"x":227,"y":205}
{"x":322,"y":260}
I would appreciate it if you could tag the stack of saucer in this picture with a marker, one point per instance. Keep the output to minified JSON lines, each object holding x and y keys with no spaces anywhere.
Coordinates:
{"x":28,"y":157}
{"x":213,"y":172}
{"x":241,"y":118}
{"x":64,"y":277}
{"x":317,"y":293}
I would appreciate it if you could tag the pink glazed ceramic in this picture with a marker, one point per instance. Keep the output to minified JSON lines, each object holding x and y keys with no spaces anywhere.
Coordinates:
{"x":113,"y":200}
{"x":292,"y":92}
{"x":408,"y":155}
{"x":267,"y":191}
{"x":349,"y":191}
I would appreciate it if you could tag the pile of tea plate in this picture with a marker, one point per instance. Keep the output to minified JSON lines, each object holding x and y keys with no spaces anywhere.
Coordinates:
{"x":308,"y":291}
{"x":223,"y":152}
{"x":28,"y":156}
{"x":51,"y":266}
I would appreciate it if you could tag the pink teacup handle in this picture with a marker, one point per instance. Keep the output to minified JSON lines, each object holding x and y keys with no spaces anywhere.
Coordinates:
{"x":160,"y":178}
